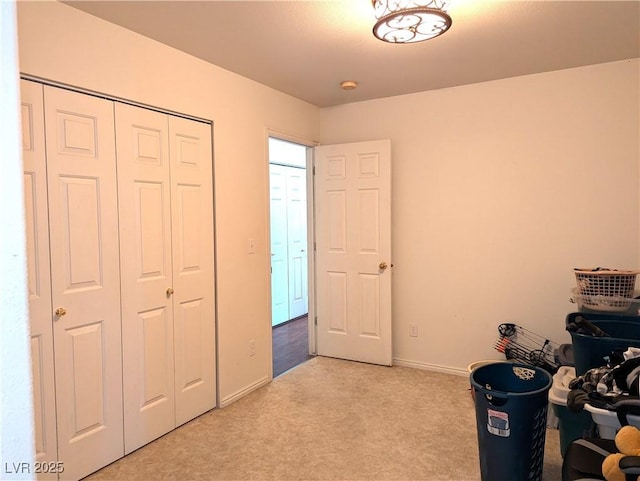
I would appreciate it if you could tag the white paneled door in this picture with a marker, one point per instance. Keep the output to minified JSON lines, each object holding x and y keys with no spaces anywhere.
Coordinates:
{"x":120,"y":252}
{"x":85,"y":281}
{"x":289,"y":268}
{"x":40,"y":311}
{"x":353,"y":251}
{"x":166,"y":224}
{"x":279,"y":245}
{"x":297,"y":241}
{"x":193,"y":263}
{"x":144,"y":192}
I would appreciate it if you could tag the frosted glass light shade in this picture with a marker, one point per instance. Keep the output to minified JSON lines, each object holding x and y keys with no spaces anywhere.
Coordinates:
{"x":408,"y":21}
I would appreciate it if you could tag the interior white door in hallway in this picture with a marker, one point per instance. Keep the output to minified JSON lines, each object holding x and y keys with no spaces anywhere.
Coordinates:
{"x":297,"y":241}
{"x":353,"y":251}
{"x":279,"y":245}
{"x":85,"y":279}
{"x":289,"y":256}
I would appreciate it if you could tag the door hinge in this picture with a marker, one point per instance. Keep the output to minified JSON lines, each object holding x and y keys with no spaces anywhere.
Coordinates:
{"x":313,"y":170}
{"x":314,"y":246}
{"x":315,"y":321}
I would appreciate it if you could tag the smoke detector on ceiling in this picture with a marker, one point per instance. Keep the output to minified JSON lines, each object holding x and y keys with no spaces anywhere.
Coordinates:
{"x":348,"y":84}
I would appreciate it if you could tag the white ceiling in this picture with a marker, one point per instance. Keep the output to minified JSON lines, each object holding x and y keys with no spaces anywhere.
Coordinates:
{"x":305,"y":48}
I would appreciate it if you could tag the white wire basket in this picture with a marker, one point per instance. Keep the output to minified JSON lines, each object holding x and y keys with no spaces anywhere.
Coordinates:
{"x":606,"y":289}
{"x":622,"y":305}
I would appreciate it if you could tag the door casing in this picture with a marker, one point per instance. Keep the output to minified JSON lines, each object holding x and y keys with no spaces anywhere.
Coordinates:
{"x":310,"y":231}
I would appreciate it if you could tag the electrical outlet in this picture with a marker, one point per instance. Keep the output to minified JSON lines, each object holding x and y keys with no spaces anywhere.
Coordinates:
{"x":252,"y":347}
{"x":251,"y":246}
{"x":413,"y":330}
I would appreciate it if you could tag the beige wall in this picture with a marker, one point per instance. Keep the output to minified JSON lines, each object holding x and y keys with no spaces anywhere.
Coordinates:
{"x":17,"y":428}
{"x":60,"y":43}
{"x":499,"y":190}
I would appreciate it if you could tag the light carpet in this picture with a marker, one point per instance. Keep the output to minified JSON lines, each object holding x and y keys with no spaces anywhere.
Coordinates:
{"x":329,"y":419}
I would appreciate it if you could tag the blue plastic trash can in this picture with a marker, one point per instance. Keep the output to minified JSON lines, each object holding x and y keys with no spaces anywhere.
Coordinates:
{"x":511,"y":403}
{"x":590,"y":352}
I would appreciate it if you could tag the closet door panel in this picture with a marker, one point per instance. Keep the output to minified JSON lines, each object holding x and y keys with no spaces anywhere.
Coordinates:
{"x":297,"y":241}
{"x":144,"y":191}
{"x":279,"y":246}
{"x":39,"y":274}
{"x":192,"y":235}
{"x":85,"y":279}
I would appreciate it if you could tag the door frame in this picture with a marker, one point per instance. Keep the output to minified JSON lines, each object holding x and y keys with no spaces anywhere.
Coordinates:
{"x":309,"y":144}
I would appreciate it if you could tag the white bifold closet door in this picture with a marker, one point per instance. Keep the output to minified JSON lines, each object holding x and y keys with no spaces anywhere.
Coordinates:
{"x":297,"y":241}
{"x":85,"y":279}
{"x":193,"y":267}
{"x":166,"y":224}
{"x":39,"y":283}
{"x":289,"y":271}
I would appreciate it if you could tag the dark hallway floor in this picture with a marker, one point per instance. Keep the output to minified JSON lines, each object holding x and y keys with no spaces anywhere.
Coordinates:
{"x":290,"y":345}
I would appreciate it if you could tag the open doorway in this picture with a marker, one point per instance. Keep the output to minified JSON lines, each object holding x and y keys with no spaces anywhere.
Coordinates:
{"x":289,"y":254}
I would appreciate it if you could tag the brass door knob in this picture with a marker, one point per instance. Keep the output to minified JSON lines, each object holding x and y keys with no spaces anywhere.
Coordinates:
{"x":383,"y":266}
{"x":169,"y":291}
{"x":60,"y":311}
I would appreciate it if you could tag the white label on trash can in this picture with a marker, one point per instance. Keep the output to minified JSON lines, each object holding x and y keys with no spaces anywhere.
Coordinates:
{"x":498,"y":423}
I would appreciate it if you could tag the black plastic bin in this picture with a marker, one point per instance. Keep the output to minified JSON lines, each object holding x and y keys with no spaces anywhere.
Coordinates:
{"x":590,"y":352}
{"x":511,"y":403}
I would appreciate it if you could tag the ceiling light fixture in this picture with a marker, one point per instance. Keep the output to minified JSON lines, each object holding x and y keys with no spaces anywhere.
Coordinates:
{"x":409,"y":21}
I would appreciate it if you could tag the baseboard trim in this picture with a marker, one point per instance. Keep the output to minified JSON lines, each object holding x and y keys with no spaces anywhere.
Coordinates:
{"x":430,"y":367}
{"x":243,"y":392}
{"x":396,"y":362}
